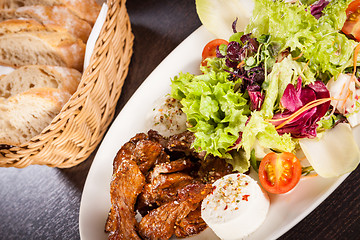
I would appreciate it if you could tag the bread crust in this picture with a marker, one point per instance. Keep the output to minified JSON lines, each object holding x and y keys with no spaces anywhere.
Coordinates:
{"x":45,"y":41}
{"x":25,"y":25}
{"x":51,"y":16}
{"x":84,"y":9}
{"x":20,"y":38}
{"x":26,"y":114}
{"x":37,"y":76}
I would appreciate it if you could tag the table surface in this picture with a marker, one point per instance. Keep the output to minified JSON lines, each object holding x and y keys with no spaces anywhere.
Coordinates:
{"x":40,"y":202}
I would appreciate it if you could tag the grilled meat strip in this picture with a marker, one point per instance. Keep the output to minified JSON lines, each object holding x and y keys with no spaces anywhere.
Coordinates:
{"x":144,"y":152}
{"x":161,"y":222}
{"x":126,"y":185}
{"x":163,"y":183}
{"x":130,"y":166}
{"x":190,"y":225}
{"x":127,"y":150}
{"x":212,"y":168}
{"x":165,"y":180}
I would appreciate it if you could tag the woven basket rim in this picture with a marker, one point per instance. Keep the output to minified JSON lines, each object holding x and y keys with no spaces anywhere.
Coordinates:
{"x":103,"y":65}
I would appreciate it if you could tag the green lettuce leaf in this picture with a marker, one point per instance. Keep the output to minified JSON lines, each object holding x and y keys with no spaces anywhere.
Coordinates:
{"x":334,"y":15}
{"x":257,"y":129}
{"x":239,"y":161}
{"x":283,"y":73}
{"x":215,"y":112}
{"x":292,"y":26}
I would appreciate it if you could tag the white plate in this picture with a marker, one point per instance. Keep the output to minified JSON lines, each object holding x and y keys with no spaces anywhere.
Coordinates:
{"x":285,"y":211}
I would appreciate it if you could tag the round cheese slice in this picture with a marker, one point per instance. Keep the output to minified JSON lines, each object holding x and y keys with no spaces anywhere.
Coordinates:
{"x":236,"y":207}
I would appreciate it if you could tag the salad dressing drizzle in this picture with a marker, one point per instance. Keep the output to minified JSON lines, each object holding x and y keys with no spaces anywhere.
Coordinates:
{"x":306,"y":107}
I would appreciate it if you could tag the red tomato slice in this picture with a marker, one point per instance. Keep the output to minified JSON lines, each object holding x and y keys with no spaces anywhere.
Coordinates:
{"x":352,"y":24}
{"x":210,"y":48}
{"x":279,"y":173}
{"x":353,"y":6}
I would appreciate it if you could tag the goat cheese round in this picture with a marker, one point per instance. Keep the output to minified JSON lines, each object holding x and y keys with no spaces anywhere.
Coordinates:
{"x":167,"y":117}
{"x":236,"y":207}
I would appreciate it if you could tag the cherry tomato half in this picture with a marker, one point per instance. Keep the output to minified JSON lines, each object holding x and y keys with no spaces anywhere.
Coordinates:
{"x":210,"y":48}
{"x":279,"y":173}
{"x":352,"y":24}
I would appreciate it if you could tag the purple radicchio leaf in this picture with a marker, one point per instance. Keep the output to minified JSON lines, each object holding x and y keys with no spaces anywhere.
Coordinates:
{"x":234,"y":25}
{"x":321,"y":91}
{"x":218,"y":53}
{"x":293,"y":99}
{"x":317,"y":8}
{"x":302,"y":126}
{"x":245,"y":38}
{"x":252,"y":44}
{"x":234,"y":51}
{"x":256,"y":97}
{"x":237,"y":143}
{"x":236,"y":54}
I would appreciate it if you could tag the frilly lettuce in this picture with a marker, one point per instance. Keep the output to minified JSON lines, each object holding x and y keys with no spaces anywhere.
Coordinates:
{"x":219,"y":115}
{"x":257,"y":129}
{"x":215,"y":112}
{"x":283,"y":73}
{"x":293,"y":26}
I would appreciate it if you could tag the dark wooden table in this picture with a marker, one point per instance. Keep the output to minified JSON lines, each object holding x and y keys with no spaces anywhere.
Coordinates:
{"x":39,"y":202}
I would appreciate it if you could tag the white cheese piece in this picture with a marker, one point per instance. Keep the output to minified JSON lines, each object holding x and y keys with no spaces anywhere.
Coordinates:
{"x":236,"y":207}
{"x":334,"y":154}
{"x":166,"y":117}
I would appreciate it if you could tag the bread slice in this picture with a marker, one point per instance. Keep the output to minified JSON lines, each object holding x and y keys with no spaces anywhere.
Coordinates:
{"x":37,"y":76}
{"x":51,"y":15}
{"x":27,"y":42}
{"x":25,"y":115}
{"x":84,"y":9}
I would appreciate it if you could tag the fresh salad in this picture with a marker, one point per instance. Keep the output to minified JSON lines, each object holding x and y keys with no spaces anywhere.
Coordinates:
{"x":287,"y":84}
{"x":277,"y":98}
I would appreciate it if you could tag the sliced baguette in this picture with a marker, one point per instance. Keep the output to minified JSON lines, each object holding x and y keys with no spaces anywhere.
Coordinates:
{"x":51,"y":15}
{"x":27,"y":42}
{"x":37,"y":76}
{"x":25,"y":115}
{"x":84,"y":9}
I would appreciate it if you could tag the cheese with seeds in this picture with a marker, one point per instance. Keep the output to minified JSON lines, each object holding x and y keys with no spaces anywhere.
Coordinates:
{"x":236,"y":207}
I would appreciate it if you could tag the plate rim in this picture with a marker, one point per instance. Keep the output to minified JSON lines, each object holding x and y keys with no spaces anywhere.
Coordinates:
{"x":144,"y":85}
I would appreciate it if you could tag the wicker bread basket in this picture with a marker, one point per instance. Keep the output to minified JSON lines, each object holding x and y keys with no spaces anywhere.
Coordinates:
{"x":77,"y":130}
